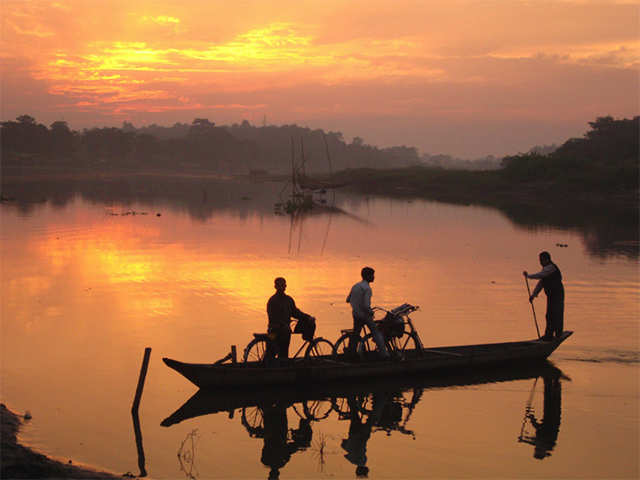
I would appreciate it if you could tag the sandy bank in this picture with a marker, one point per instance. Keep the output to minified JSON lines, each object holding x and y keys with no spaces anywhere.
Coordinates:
{"x":17,"y":461}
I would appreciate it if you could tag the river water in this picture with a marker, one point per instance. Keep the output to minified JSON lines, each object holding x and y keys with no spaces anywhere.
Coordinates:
{"x":91,"y":276}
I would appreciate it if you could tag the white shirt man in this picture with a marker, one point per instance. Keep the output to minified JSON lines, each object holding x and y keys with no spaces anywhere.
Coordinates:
{"x":360,"y":300}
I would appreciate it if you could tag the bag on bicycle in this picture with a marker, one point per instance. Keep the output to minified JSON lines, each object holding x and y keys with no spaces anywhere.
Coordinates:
{"x":392,"y":325}
{"x":307,"y":327}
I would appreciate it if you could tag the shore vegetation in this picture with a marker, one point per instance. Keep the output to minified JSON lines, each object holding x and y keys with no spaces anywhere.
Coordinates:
{"x":600,"y":166}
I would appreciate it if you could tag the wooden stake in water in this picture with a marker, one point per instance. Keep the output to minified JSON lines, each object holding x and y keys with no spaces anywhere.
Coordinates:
{"x":134,"y":412}
{"x":141,"y":378}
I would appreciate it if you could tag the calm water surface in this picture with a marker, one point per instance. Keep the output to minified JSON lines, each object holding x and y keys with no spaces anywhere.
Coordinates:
{"x":87,"y":286}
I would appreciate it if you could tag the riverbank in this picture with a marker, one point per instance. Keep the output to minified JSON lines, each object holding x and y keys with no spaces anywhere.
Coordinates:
{"x":491,"y":188}
{"x":17,"y":461}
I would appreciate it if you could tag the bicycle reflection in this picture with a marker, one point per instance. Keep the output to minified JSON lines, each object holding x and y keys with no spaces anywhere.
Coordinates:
{"x":270,"y":423}
{"x":378,"y":411}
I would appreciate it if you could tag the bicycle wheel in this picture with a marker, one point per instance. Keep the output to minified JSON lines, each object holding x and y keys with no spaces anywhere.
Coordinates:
{"x":317,"y":410}
{"x":253,"y":420}
{"x":255,"y":351}
{"x":367,"y":344}
{"x":342,"y":344}
{"x":319,"y":347}
{"x":340,"y":405}
{"x":343,"y":405}
{"x":365,"y":404}
{"x":408,"y":341}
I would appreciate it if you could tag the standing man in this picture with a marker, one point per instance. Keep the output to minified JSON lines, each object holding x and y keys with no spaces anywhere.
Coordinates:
{"x":360,"y":300}
{"x":550,"y":279}
{"x":280,"y":309}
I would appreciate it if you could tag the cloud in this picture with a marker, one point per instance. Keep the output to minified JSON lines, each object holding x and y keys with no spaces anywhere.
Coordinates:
{"x":406,"y":64}
{"x":161,"y":20}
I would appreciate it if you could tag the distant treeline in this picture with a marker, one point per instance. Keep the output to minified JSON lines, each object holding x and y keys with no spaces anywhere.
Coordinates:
{"x":600,"y":166}
{"x":606,"y":158}
{"x":490,"y":162}
{"x":236,"y":149}
{"x":448,"y":162}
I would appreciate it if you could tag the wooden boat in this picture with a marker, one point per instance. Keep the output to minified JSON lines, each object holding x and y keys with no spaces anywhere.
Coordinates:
{"x":329,"y":368}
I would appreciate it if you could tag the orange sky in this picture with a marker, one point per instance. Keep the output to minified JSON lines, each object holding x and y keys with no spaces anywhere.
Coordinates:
{"x":463,"y":77}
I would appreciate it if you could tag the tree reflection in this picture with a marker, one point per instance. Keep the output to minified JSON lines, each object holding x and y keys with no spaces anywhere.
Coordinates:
{"x":606,"y":229}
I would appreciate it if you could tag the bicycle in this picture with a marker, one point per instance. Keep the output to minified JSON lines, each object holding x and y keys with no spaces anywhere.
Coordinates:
{"x":256,"y":349}
{"x":252,"y":417}
{"x":393,"y":418}
{"x":396,"y":328}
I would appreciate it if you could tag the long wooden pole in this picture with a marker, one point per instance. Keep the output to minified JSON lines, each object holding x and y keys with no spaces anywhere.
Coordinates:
{"x":134,"y":412}
{"x":532,"y":309}
{"x":141,"y":378}
{"x":326,"y":148}
{"x":294,"y":189}
{"x":527,"y":410}
{"x":304,"y":169}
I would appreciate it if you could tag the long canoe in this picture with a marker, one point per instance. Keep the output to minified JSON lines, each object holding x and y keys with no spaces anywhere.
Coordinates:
{"x":329,"y":368}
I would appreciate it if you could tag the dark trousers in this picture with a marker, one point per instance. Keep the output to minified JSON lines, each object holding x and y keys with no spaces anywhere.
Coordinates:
{"x":279,"y":347}
{"x":554,"y":316}
{"x":358,"y":325}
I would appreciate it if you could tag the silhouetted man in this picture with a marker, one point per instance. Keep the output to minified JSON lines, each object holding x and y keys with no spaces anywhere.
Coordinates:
{"x":276,"y":452}
{"x":278,"y":449}
{"x":359,"y":432}
{"x":360,"y":300}
{"x":550,"y":279}
{"x":280,"y":309}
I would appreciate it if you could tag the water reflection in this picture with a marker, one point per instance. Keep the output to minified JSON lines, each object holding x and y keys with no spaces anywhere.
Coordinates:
{"x":606,"y":229}
{"x":280,"y":442}
{"x":545,"y":431}
{"x":381,"y":410}
{"x":187,"y":455}
{"x":385,"y":407}
{"x":139,"y":446}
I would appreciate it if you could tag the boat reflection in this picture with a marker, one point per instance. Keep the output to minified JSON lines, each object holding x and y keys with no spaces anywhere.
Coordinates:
{"x":368,"y":407}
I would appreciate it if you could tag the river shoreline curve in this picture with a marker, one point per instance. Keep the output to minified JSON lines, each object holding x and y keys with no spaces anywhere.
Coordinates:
{"x":17,"y":461}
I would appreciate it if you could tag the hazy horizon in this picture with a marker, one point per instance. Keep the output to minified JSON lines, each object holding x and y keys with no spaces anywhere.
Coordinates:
{"x":462,"y":78}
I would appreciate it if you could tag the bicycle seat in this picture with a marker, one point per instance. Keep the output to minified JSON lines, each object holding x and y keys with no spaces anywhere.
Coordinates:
{"x":261,"y":336}
{"x":346,"y":330}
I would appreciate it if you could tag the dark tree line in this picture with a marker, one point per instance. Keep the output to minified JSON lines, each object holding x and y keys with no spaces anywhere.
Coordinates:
{"x":239,"y":148}
{"x":319,"y":151}
{"x":202,"y":146}
{"x":605,"y":158}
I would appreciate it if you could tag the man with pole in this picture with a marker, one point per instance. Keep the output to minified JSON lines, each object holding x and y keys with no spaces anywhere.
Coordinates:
{"x":549,"y":279}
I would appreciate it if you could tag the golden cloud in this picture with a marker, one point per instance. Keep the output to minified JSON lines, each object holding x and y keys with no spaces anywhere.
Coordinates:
{"x":161,"y":20}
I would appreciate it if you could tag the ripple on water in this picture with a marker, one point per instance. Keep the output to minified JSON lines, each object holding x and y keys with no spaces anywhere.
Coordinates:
{"x":627,"y":357}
